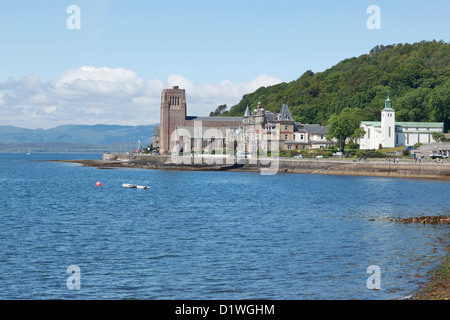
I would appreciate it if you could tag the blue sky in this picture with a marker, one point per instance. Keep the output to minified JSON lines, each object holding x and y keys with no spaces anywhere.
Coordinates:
{"x":218,"y":50}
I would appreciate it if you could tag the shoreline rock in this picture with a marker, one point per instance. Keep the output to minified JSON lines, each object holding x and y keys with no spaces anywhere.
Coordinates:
{"x":439,"y":220}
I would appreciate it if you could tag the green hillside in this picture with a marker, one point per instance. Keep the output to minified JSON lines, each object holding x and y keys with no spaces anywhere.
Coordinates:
{"x":416,"y":77}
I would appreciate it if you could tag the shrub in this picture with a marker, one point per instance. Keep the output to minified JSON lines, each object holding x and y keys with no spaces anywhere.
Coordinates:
{"x":370,"y":154}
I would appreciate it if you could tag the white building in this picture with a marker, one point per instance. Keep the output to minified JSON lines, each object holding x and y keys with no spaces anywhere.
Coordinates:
{"x":389,"y":133}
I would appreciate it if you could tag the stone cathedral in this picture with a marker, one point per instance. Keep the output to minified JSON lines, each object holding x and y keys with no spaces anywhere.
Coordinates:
{"x":179,"y":132}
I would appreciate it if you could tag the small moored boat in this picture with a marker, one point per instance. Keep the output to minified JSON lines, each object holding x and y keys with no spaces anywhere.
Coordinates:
{"x":142,"y":187}
{"x":128,"y":185}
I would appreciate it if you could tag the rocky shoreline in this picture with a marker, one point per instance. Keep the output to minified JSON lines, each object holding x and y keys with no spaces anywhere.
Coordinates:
{"x":275,"y":165}
{"x":438,"y":285}
{"x":437,"y":220}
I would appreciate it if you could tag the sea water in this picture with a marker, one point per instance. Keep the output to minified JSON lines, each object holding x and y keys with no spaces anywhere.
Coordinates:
{"x":210,"y":235}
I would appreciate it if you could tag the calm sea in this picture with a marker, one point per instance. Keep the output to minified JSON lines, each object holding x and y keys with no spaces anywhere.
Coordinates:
{"x":210,"y":235}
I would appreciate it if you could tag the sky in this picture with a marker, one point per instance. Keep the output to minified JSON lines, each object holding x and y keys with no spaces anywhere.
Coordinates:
{"x":108,"y":62}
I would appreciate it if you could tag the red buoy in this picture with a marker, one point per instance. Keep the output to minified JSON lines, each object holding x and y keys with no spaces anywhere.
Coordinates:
{"x":98,"y":184}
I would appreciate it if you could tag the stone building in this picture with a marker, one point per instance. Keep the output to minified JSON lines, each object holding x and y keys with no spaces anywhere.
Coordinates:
{"x":156,"y":137}
{"x":256,"y":131}
{"x":309,"y":136}
{"x":177,"y":129}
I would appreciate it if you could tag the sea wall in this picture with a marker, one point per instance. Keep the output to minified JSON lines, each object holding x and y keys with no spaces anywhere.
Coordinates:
{"x":433,"y":170}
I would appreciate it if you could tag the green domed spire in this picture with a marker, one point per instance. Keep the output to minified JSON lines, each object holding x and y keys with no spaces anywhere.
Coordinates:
{"x":388,"y":104}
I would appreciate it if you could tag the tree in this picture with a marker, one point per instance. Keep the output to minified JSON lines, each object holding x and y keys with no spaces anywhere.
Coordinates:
{"x":417,"y":76}
{"x":437,"y":136}
{"x":219,"y":110}
{"x":358,"y":133}
{"x":344,"y":125}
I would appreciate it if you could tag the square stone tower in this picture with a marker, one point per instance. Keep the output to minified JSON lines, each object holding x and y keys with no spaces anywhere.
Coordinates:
{"x":173,"y":114}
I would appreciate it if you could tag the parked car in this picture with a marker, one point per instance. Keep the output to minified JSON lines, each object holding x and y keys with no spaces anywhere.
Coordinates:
{"x":408,"y":148}
{"x":298,"y":156}
{"x":437,"y":155}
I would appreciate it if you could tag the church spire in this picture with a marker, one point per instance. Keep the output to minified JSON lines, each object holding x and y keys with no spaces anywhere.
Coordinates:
{"x":247,"y":113}
{"x":388,"y":104}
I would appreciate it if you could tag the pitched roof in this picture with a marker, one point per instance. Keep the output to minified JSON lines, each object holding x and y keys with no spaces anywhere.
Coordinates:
{"x":436,"y":125}
{"x":285,"y":114}
{"x":315,"y":128}
{"x":371,"y":123}
{"x":222,"y":119}
{"x":247,"y":112}
{"x":420,"y":124}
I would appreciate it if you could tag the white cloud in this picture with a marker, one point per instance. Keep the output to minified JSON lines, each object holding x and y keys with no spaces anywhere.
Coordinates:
{"x":90,"y":95}
{"x":90,"y":82}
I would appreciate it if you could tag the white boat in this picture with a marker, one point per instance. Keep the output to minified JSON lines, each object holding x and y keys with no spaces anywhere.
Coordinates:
{"x":29,"y":152}
{"x":142,"y":187}
{"x":128,"y":185}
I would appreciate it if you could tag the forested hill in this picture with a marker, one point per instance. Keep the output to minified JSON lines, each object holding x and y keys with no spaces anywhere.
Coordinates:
{"x":416,"y":77}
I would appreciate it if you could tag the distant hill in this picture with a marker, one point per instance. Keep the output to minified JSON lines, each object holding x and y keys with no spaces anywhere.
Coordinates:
{"x":75,"y":138}
{"x":416,"y":77}
{"x":63,"y":147}
{"x":96,"y":134}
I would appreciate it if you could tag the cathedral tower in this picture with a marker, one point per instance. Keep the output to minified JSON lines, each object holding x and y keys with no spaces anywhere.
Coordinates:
{"x":173,"y":114}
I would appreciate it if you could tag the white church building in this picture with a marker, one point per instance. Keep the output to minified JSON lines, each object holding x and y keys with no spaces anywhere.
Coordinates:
{"x":389,"y":133}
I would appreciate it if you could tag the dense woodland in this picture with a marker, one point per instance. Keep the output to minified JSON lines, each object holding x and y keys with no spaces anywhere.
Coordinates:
{"x":415,"y":76}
